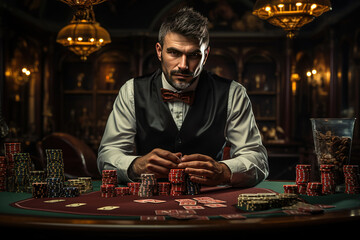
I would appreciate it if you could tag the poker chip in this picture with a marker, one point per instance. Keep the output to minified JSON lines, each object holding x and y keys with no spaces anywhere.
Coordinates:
{"x":36,"y":176}
{"x":328,"y":178}
{"x":70,"y":192}
{"x":22,"y":164}
{"x":291,"y":188}
{"x":265,"y":201}
{"x":314,"y":189}
{"x":303,"y":173}
{"x":109,"y":177}
{"x":39,"y":190}
{"x":55,"y":164}
{"x":163,"y":188}
{"x":302,"y":188}
{"x":121,"y":191}
{"x":3,"y":166}
{"x":83,"y":184}
{"x":191,"y":187}
{"x":177,"y":180}
{"x":351,"y":175}
{"x":107,"y":190}
{"x":10,"y":149}
{"x":134,"y":188}
{"x":148,"y":185}
{"x":87,"y":183}
{"x":54,"y":187}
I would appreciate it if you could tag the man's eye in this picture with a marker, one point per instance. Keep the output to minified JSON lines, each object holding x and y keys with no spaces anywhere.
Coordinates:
{"x":174,"y":53}
{"x":194,"y":55}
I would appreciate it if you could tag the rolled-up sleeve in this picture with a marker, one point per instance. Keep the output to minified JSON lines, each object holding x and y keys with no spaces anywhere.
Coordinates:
{"x":249,"y":161}
{"x":116,"y":150}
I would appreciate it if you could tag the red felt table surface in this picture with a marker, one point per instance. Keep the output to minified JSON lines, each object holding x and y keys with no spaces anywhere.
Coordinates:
{"x":127,"y":206}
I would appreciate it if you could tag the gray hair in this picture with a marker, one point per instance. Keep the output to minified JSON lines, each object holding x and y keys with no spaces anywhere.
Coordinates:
{"x":186,"y":22}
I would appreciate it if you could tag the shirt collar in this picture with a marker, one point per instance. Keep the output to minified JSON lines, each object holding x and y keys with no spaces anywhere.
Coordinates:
{"x":167,"y":85}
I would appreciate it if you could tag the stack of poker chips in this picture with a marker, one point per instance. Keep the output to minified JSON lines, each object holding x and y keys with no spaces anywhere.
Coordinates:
{"x":107,"y":190}
{"x":39,"y":190}
{"x":55,"y":164}
{"x":177,"y":180}
{"x":264,"y":201}
{"x":70,"y":192}
{"x":86,"y":181}
{"x":36,"y":176}
{"x":134,"y":188}
{"x":2,"y":173}
{"x":163,"y":188}
{"x":10,"y":149}
{"x":302,"y":177}
{"x":328,"y":178}
{"x":121,"y":191}
{"x":54,"y":187}
{"x":314,"y":189}
{"x":109,"y":177}
{"x":22,"y":164}
{"x":191,"y":187}
{"x":83,"y":184}
{"x":291,"y":188}
{"x":148,"y":185}
{"x":109,"y":182}
{"x":351,"y":174}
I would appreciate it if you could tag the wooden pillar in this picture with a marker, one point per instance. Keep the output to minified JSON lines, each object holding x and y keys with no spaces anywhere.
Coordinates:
{"x":288,"y":112}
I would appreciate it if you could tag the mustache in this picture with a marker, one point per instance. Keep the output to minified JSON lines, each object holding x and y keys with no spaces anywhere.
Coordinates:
{"x":185,"y":72}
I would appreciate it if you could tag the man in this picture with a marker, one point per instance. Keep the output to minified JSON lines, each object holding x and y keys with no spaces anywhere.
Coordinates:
{"x":190,"y":133}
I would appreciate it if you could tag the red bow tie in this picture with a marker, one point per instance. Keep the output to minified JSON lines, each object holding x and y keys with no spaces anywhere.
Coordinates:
{"x":170,"y":96}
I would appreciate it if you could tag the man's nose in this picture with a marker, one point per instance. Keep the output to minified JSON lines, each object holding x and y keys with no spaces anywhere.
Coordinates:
{"x":183,"y":64}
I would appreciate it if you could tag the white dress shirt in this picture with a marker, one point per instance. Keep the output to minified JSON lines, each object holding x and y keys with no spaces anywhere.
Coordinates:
{"x":248,"y":163}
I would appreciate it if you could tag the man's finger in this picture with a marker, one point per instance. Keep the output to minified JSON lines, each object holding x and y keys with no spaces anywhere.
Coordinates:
{"x":195,"y":157}
{"x":174,"y":157}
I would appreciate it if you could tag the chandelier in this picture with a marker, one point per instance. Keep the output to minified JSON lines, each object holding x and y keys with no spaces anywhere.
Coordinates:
{"x":83,"y":35}
{"x":290,"y":15}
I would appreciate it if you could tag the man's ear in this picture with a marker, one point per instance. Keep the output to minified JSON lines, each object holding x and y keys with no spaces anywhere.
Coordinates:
{"x":158,"y":50}
{"x":207,"y":52}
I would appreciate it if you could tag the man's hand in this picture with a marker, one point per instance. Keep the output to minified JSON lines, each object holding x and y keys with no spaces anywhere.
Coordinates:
{"x":205,"y":170}
{"x":158,"y":161}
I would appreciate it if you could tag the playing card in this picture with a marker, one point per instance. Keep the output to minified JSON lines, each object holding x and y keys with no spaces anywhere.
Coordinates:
{"x":215,"y":205}
{"x":157,"y":201}
{"x":141,"y":200}
{"x":174,"y":211}
{"x":202,"y":198}
{"x":149,"y":201}
{"x":233,"y":216}
{"x":54,"y":200}
{"x":108,"y":208}
{"x":152,"y":218}
{"x":75,"y":205}
{"x":187,"y":203}
{"x":193,"y":207}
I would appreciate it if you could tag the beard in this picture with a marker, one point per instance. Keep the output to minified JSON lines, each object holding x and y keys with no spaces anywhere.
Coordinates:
{"x":179,"y":85}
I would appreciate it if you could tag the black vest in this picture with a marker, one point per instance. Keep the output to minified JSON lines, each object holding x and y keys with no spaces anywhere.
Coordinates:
{"x":203,"y":127}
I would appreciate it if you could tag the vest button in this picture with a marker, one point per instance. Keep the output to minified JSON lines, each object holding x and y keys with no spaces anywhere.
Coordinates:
{"x":178,"y":140}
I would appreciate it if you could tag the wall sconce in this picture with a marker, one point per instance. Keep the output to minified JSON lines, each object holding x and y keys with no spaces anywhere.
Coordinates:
{"x":312,"y":77}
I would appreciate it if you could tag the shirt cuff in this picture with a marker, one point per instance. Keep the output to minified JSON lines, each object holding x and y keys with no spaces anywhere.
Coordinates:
{"x":243,"y":172}
{"x":122,"y":165}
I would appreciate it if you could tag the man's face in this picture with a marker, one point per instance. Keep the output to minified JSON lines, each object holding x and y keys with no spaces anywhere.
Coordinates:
{"x":182,"y":59}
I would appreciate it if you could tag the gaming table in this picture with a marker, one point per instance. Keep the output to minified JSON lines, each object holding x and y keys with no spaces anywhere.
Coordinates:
{"x":19,"y":213}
